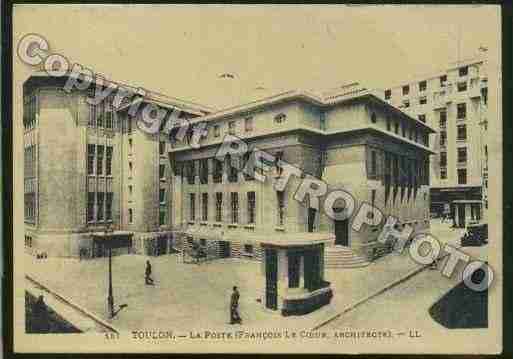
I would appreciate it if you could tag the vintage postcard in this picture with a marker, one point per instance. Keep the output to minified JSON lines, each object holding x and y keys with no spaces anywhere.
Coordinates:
{"x":257,"y":178}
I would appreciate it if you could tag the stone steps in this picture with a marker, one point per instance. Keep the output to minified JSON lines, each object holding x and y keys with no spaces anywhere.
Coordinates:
{"x":343,"y":257}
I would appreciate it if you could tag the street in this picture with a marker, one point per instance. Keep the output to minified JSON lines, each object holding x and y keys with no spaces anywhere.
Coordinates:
{"x":411,"y":299}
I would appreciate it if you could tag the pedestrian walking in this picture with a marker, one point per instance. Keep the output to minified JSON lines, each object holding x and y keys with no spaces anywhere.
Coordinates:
{"x":147,"y":275}
{"x":234,"y":307}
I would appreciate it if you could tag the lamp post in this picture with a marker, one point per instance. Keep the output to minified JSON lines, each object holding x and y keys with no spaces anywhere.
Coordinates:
{"x":110,"y":298}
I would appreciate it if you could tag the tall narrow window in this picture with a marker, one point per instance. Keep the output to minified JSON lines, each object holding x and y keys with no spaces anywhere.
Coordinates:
{"x":108,"y":206}
{"x":191,"y":173}
{"x":443,"y":138}
{"x":192,"y":206}
{"x":100,"y":114}
{"x":162,"y":148}
{"x":130,"y":146}
{"x":462,"y":133}
{"x":232,"y":170}
{"x":162,"y":171}
{"x":108,"y":161}
{"x":234,"y":199}
{"x":406,"y":90}
{"x":217,"y":131}
{"x":99,"y":160}
{"x":100,"y":204}
{"x":204,"y":207}
{"x":130,"y":169}
{"x":90,"y":206}
{"x":443,"y":119}
{"x":251,"y":207}
{"x":396,"y":127}
{"x":462,"y":155}
{"x":443,"y":159}
{"x":461,"y":111}
{"x":204,"y":171}
{"x":90,"y":159}
{"x":388,"y":124}
{"x":219,"y":206}
{"x":162,"y":216}
{"x":130,"y":215}
{"x":231,"y":127}
{"x":463,"y":71}
{"x":280,"y":196}
{"x":92,"y":116}
{"x":462,"y":176}
{"x":443,"y":80}
{"x":422,"y":86}
{"x":109,"y":119}
{"x":162,"y":195}
{"x":218,"y":171}
{"x":388,"y":94}
{"x":373,"y":164}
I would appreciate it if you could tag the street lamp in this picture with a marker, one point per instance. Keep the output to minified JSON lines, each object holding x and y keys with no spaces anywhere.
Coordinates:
{"x":110,"y":296}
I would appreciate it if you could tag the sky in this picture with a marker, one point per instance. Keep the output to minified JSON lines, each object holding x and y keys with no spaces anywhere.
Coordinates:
{"x":181,"y":50}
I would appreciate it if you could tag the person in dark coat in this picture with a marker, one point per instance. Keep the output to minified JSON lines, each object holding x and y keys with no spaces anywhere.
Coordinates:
{"x":234,"y":307}
{"x":147,"y":277}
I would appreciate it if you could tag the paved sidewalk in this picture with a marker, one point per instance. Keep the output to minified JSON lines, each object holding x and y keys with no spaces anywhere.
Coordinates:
{"x":189,"y":296}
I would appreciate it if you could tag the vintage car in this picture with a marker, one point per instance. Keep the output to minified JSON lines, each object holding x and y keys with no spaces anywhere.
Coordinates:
{"x":476,"y":235}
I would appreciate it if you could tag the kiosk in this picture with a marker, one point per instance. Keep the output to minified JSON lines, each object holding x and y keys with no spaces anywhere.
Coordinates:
{"x":293,"y":271}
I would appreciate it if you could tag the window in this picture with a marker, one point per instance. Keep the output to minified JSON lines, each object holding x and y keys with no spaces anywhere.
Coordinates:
{"x":204,"y":171}
{"x":162,"y":216}
{"x":129,"y":124}
{"x":90,"y":159}
{"x":462,"y":86}
{"x":280,"y":195}
{"x":388,"y":94}
{"x":462,"y":133}
{"x":130,"y":215}
{"x":192,"y":206}
{"x":396,"y":127}
{"x":422,"y":118}
{"x":130,"y":169}
{"x":108,"y":206}
{"x":251,"y":207}
{"x":248,"y":124}
{"x":279,"y":118}
{"x":248,"y":249}
{"x":484,"y":95}
{"x":99,"y":160}
{"x":190,"y":172}
{"x":404,"y":129}
{"x":463,"y":71}
{"x":130,"y":145}
{"x":90,"y":206}
{"x":218,"y":171}
{"x":99,"y":114}
{"x":162,"y":195}
{"x":130,"y":191}
{"x":388,"y":124}
{"x":462,"y":155}
{"x":443,"y":159}
{"x":232,"y":170}
{"x":406,"y":90}
{"x":443,"y":119}
{"x":234,"y":197}
{"x":109,"y":119}
{"x":249,"y":167}
{"x":462,"y":176}
{"x":373,"y":164}
{"x":219,"y":206}
{"x":204,"y":207}
{"x":100,"y":198}
{"x":373,"y":118}
{"x":162,"y":171}
{"x":406,"y":104}
{"x":423,"y":100}
{"x":162,"y":148}
{"x":462,"y":111}
{"x":443,"y":80}
{"x":217,"y":131}
{"x":443,"y":172}
{"x":422,"y":86}
{"x":92,"y":116}
{"x":231,"y":127}
{"x":443,"y":138}
{"x":108,"y":163}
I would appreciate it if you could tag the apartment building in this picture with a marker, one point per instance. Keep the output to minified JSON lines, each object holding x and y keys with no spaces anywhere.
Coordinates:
{"x":91,"y":176}
{"x":454,"y":102}
{"x":352,"y":140}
